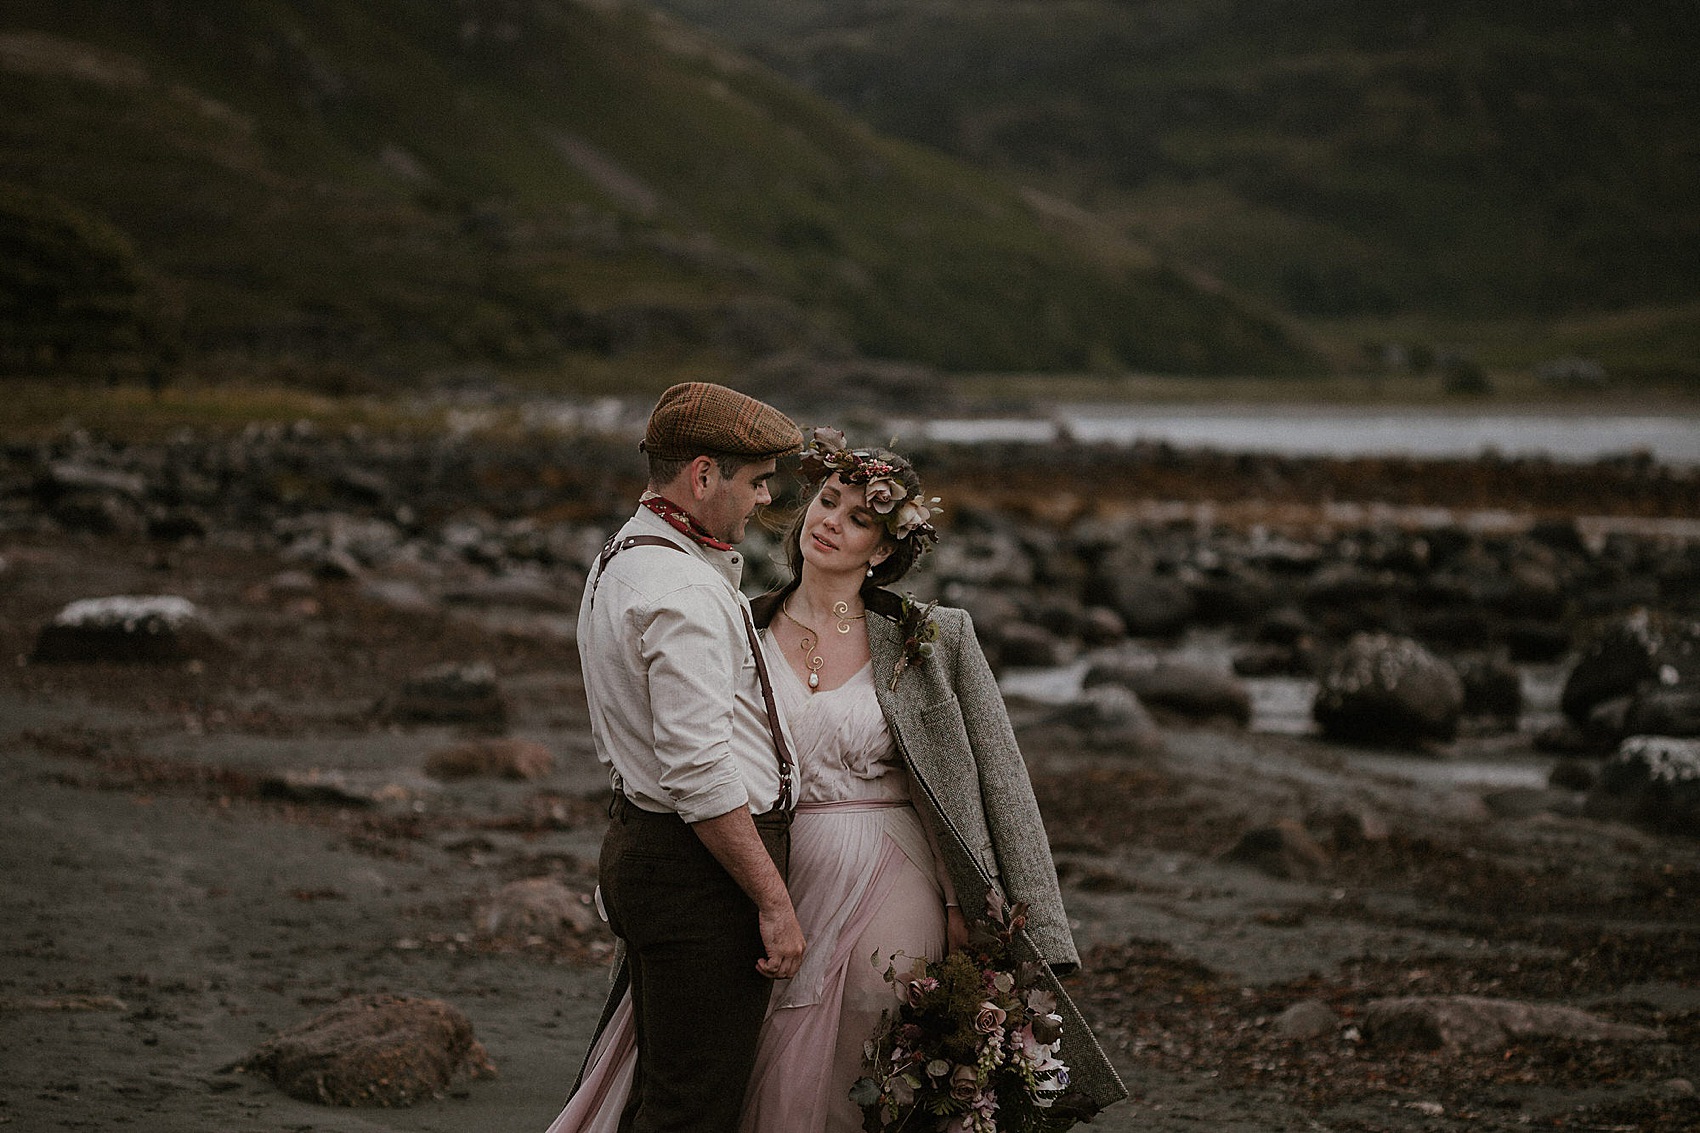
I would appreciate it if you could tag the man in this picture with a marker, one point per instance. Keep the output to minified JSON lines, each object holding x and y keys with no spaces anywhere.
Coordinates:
{"x":691,"y":870}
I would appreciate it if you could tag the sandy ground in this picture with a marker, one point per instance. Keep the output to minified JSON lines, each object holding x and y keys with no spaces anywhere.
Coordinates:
{"x":163,"y":912}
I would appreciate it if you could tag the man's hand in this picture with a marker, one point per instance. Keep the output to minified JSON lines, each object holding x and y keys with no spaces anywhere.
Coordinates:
{"x":732,"y":839}
{"x":782,"y":937}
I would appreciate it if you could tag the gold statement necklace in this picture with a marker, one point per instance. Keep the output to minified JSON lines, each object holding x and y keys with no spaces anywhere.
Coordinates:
{"x":811,"y":639}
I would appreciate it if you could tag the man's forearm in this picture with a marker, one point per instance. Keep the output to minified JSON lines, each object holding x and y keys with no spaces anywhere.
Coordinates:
{"x":735,"y":844}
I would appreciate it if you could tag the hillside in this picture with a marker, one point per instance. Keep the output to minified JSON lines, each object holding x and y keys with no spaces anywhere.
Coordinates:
{"x":342,"y":193}
{"x":1448,"y":159}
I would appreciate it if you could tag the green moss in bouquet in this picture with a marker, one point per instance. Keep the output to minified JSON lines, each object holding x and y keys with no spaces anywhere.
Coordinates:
{"x":973,"y":1045}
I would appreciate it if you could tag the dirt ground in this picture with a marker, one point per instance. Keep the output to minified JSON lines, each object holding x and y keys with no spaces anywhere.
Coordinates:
{"x":165,"y":908}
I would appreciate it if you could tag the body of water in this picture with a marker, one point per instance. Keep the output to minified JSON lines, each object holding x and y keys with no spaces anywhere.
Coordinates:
{"x":1332,"y":431}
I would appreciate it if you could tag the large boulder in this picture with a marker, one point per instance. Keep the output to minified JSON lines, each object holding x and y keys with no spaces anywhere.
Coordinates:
{"x":1176,"y":687}
{"x":1642,"y":650}
{"x":1153,"y":605}
{"x":1385,"y":689}
{"x":146,"y":629}
{"x":1653,"y":781}
{"x":1125,"y":580}
{"x":378,"y":1050}
{"x":1110,"y":717}
{"x":1476,"y":1024}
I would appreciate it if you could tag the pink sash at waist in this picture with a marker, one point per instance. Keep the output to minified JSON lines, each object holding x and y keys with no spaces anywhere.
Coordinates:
{"x":851,"y":806}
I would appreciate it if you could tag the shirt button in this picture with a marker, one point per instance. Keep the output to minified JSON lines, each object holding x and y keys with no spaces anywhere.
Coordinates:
{"x":734,"y":559}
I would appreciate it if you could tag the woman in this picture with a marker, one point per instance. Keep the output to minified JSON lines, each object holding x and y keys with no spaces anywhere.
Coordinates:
{"x":912,"y":791}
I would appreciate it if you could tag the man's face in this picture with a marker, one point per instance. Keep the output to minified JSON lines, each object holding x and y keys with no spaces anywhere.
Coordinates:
{"x":729,"y":501}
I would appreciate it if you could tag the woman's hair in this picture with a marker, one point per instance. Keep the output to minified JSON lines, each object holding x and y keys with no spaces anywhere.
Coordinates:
{"x":904,"y":552}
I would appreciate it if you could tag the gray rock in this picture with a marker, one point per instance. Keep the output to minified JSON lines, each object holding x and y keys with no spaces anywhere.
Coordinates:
{"x":537,"y":906}
{"x":1664,"y":711}
{"x":1101,"y":625}
{"x":1284,"y":849}
{"x":1641,"y":650}
{"x":377,"y":1050}
{"x":495,"y":758}
{"x":315,"y":788}
{"x":1476,"y":1024}
{"x":451,"y":693}
{"x":1022,"y":643}
{"x":1152,"y":605}
{"x":147,"y":629}
{"x":1653,"y":781}
{"x":1526,"y":802}
{"x":1177,"y":687}
{"x":1493,"y":691}
{"x":99,"y":514}
{"x":1306,"y":1020}
{"x":399,"y":594}
{"x":1111,"y":717}
{"x":66,"y":476}
{"x":1384,"y":689}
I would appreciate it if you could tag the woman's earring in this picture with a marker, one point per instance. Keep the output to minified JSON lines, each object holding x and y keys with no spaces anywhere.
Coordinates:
{"x":870,"y":572}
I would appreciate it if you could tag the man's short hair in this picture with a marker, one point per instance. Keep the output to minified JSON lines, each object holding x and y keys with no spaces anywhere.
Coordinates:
{"x":663,"y":469}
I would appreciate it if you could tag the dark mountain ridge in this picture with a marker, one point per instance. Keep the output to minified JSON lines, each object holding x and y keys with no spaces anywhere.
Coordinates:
{"x":1449,"y":158}
{"x":373,"y":190}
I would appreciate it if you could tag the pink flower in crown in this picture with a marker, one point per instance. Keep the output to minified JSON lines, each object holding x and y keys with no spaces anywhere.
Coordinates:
{"x":911,"y":514}
{"x":964,"y":1083}
{"x":989,"y":1018}
{"x":824,"y":453}
{"x":884,"y":493}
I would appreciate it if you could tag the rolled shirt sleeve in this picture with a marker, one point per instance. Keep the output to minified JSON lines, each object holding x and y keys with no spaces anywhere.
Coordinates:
{"x":694,"y":651}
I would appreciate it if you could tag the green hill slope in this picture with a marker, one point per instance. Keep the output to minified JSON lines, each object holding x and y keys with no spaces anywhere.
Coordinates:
{"x":382,"y":187}
{"x":1453,"y":158}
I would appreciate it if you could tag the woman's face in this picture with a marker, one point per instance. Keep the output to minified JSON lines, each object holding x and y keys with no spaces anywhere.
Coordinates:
{"x":840,"y":532}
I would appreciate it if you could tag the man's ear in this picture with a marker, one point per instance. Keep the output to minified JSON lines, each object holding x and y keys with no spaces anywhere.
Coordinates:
{"x":703,"y":472}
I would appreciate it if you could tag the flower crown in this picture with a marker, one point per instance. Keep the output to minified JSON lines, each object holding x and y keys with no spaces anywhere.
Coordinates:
{"x":904,"y":515}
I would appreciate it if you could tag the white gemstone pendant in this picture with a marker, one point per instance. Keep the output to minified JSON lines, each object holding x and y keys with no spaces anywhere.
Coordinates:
{"x":814,"y":680}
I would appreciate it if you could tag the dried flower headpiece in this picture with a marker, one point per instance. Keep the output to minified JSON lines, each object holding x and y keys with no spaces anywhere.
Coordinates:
{"x":905,"y":516}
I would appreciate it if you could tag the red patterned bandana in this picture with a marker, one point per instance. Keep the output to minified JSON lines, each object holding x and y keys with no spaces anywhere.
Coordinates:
{"x":683,"y":522}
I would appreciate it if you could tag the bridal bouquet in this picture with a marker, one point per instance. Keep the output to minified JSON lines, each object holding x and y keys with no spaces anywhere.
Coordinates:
{"x":972,"y":1045}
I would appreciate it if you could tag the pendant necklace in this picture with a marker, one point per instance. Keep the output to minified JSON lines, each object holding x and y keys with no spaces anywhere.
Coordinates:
{"x":812,"y":658}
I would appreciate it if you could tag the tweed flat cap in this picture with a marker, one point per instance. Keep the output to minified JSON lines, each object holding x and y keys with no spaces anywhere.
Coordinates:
{"x":697,"y":417}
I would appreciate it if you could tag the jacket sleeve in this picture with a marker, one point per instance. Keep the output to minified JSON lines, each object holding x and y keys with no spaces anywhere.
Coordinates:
{"x":1012,"y":813}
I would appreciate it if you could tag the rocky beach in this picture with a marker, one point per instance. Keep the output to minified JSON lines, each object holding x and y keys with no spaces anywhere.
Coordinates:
{"x":1373,"y":784}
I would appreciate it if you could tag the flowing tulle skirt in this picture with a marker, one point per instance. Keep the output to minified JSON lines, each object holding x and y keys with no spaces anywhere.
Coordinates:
{"x":865,"y":888}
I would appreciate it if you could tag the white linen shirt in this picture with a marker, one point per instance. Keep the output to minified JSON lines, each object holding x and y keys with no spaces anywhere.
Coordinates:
{"x":676,"y":709}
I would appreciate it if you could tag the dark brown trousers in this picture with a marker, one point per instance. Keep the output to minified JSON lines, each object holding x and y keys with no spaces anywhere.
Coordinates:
{"x":692,"y":942}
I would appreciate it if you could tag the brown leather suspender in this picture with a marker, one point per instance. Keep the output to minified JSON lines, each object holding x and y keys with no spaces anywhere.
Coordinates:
{"x":615,"y":546}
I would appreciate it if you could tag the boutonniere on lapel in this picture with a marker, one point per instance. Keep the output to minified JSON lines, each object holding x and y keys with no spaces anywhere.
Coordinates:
{"x":915,"y":621}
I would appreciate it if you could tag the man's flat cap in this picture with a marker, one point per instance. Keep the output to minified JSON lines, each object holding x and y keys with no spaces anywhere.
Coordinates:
{"x":694,"y":418}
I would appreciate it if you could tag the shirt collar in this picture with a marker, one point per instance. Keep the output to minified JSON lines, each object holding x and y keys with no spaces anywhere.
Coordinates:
{"x":728,"y":564}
